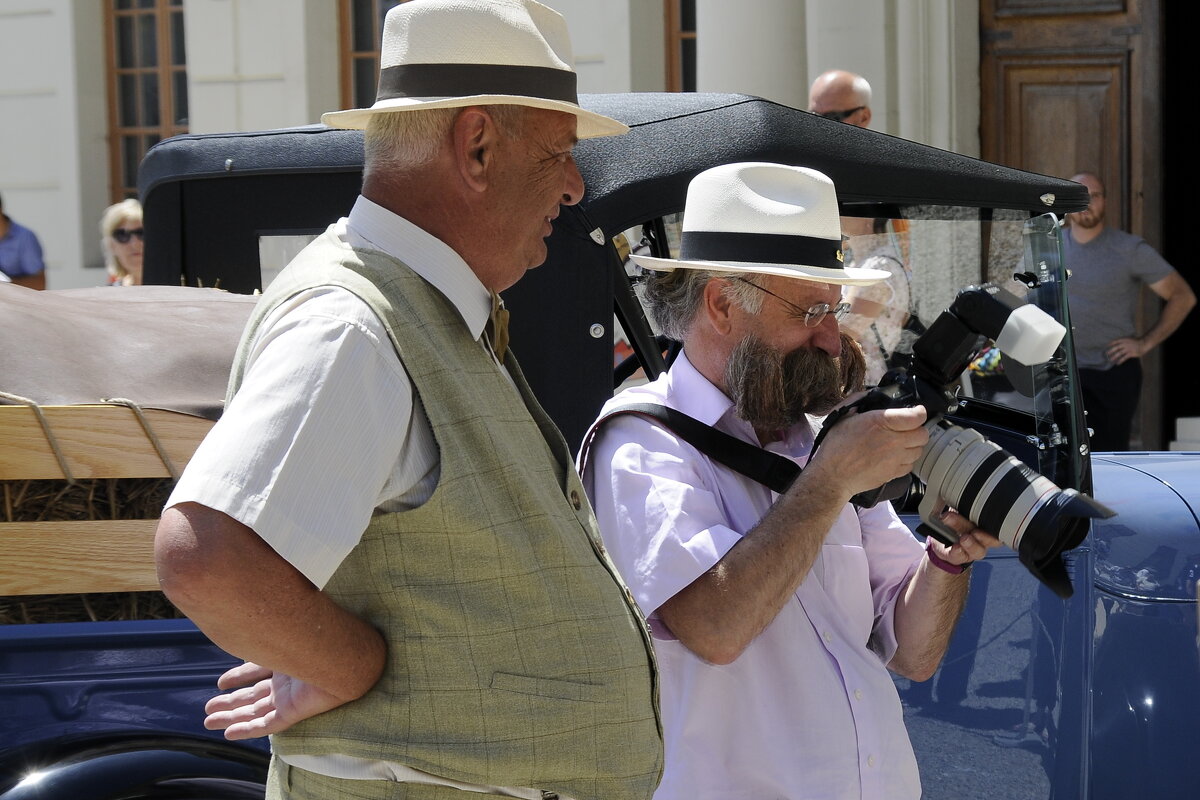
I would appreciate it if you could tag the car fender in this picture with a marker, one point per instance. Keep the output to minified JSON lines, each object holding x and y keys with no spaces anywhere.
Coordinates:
{"x":1146,"y":668}
{"x":115,"y":766}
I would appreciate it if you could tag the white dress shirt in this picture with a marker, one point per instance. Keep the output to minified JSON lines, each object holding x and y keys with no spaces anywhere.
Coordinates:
{"x":809,"y":709}
{"x":326,"y":427}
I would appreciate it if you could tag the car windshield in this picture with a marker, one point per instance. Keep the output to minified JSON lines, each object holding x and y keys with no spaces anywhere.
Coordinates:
{"x":931,"y":254}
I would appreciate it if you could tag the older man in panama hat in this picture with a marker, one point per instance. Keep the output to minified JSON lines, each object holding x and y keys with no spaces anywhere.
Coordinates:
{"x":776,"y":616}
{"x":384,"y":523}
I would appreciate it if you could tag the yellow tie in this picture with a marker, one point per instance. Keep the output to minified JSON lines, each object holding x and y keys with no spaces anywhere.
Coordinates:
{"x":497,"y":328}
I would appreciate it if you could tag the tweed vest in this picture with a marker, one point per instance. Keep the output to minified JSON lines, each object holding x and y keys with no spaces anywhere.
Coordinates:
{"x":516,"y":655}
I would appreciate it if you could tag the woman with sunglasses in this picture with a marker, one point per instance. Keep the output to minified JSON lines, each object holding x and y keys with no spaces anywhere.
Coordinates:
{"x":121,"y":236}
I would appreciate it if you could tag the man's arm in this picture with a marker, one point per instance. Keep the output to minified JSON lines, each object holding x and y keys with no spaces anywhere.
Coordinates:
{"x":255,"y":605}
{"x":929,"y":607}
{"x":35,"y":281}
{"x":1180,"y":299}
{"x":722,"y":611}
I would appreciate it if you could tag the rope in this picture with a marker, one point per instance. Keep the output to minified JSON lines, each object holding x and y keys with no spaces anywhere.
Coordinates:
{"x":37,"y":411}
{"x":150,"y":434}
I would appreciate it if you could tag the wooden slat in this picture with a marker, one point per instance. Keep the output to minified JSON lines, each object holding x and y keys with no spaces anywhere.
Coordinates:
{"x":99,"y":441}
{"x":77,"y":557}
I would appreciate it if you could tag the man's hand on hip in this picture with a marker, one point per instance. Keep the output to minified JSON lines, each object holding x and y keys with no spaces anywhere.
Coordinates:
{"x":263,"y":703}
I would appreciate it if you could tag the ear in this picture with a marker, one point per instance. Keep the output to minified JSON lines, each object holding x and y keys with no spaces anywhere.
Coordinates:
{"x":866,"y":116}
{"x":718,"y":308}
{"x":475,"y":138}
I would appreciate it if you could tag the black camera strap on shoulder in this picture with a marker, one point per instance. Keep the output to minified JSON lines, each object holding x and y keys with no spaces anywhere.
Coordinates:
{"x":772,"y":470}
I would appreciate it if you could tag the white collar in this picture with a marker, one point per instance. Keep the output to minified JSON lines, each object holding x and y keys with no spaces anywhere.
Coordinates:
{"x":372,"y":226}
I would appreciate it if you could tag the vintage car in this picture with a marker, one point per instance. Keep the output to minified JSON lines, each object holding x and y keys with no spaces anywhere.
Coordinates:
{"x":1083,"y":683}
{"x":1092,"y":695}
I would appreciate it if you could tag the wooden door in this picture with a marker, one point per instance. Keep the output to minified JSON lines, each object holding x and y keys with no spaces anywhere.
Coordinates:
{"x":1075,"y":85}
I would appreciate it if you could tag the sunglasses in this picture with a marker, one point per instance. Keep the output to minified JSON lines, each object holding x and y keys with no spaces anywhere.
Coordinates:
{"x":123,"y":235}
{"x":841,"y":116}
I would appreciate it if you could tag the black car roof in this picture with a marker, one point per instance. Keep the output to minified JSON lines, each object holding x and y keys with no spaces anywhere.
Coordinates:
{"x":673,"y":136}
{"x":212,"y":201}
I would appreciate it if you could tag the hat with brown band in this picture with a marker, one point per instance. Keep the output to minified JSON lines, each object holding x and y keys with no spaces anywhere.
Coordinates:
{"x":766,"y":218}
{"x":456,"y":53}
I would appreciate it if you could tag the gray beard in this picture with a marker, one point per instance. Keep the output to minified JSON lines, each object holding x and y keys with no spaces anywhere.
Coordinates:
{"x":773,"y":391}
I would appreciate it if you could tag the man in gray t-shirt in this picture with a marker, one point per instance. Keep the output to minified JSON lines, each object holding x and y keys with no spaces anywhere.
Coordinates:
{"x":1107,"y":267}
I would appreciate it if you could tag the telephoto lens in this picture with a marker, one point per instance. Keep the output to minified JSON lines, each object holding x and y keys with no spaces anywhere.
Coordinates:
{"x":1005,"y":497}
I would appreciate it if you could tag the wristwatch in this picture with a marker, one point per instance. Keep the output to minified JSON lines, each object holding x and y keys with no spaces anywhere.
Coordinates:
{"x":943,"y":564}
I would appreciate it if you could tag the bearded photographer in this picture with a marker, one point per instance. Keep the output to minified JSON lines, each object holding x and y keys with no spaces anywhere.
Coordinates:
{"x":776,"y":616}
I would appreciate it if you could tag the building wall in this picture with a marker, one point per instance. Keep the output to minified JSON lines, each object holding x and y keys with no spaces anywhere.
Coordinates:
{"x":755,"y":48}
{"x":53,"y":159}
{"x":258,"y":64}
{"x":618,"y":46}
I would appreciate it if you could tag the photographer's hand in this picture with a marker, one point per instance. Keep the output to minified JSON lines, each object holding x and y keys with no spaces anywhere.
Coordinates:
{"x":865,"y":450}
{"x":723,"y":610}
{"x":973,"y":541}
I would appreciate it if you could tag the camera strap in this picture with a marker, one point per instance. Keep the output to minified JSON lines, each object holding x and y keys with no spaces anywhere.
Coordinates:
{"x":772,"y":470}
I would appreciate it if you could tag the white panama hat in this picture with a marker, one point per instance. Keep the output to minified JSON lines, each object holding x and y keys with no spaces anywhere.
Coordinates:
{"x":766,"y":218}
{"x":455,"y":53}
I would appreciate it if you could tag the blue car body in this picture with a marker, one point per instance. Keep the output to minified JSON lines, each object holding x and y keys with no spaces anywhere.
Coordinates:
{"x":1093,"y":696}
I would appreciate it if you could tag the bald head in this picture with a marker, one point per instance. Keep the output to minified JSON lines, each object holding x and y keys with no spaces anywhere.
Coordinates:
{"x":1089,"y":179}
{"x":843,"y":96}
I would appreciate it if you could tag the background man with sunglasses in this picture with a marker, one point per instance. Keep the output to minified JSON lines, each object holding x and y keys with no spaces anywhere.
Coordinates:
{"x":20,"y":254}
{"x":776,"y":617}
{"x":842,"y":96}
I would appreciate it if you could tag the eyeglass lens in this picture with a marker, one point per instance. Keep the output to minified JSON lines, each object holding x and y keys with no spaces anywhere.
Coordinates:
{"x":123,"y":235}
{"x":814,"y":315}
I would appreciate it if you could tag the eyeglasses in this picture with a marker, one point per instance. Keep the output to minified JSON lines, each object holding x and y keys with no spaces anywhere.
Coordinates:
{"x":123,"y":235}
{"x":814,"y":315}
{"x":841,"y":116}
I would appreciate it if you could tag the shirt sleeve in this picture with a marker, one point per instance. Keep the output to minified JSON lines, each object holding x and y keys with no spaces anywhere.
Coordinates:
{"x":24,"y":253}
{"x":34,"y":263}
{"x":1148,"y":266}
{"x":660,"y":521}
{"x":893,"y":555}
{"x":304,"y":450}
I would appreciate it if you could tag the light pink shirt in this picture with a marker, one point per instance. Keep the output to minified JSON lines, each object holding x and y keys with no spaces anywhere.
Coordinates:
{"x":809,"y":709}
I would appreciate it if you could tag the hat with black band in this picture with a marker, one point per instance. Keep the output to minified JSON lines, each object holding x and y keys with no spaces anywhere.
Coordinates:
{"x":457,"y":53}
{"x":764,"y":218}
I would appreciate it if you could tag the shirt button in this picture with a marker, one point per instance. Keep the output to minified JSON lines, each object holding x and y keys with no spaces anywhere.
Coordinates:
{"x":870,"y":761}
{"x":576,"y":503}
{"x":828,"y":636}
{"x":858,"y":695}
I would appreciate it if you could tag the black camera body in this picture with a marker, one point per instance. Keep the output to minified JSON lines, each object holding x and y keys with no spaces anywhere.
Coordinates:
{"x":961,"y":468}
